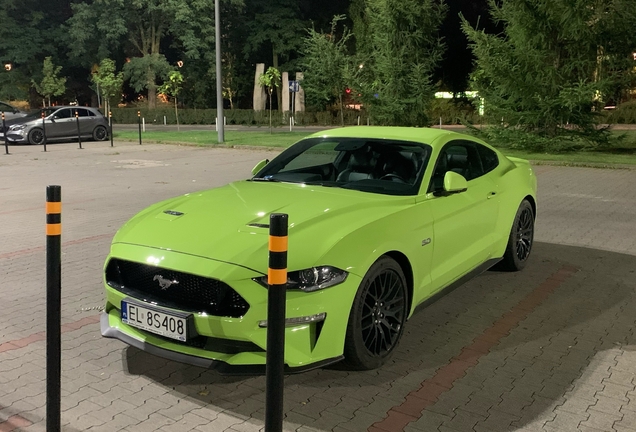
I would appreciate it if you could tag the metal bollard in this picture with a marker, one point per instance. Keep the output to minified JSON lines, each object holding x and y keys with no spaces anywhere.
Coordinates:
{"x":43,"y":131}
{"x":110,"y":123}
{"x":79,"y":137}
{"x":4,"y":129}
{"x":276,"y":304}
{"x":53,"y":306}
{"x":139,"y":121}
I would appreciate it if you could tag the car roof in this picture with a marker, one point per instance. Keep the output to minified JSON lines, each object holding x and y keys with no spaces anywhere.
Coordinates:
{"x":425,"y":135}
{"x":67,"y":106}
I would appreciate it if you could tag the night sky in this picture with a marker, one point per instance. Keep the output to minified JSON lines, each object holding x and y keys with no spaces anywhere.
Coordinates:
{"x":457,"y":64}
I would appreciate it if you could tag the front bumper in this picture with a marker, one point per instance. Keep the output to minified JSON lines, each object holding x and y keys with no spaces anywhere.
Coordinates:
{"x":17,"y":137}
{"x":237,"y":345}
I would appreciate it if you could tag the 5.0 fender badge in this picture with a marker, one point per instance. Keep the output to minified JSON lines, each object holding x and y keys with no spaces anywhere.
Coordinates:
{"x":426,"y":241}
{"x":165,"y":283}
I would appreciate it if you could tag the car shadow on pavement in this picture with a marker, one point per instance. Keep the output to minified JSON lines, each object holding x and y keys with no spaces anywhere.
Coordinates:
{"x":572,"y":349}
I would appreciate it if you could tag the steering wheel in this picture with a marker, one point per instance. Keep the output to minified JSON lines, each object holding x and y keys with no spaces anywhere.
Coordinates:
{"x":393,"y":177}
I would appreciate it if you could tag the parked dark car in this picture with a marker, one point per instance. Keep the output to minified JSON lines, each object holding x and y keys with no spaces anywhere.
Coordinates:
{"x":11,"y":114}
{"x":60,"y":125}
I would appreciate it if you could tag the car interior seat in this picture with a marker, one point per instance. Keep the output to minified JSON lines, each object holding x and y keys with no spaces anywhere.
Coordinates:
{"x":359,"y":167}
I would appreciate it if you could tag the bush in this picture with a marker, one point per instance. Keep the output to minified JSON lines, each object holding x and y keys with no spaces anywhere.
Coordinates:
{"x":453,"y":111}
{"x":624,"y":113}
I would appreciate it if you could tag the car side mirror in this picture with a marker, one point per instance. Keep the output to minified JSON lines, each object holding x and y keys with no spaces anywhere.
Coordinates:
{"x":259,"y":166}
{"x":453,"y":183}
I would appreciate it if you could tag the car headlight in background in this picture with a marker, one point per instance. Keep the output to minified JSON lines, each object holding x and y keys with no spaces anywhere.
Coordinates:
{"x":17,"y":128}
{"x":311,"y":279}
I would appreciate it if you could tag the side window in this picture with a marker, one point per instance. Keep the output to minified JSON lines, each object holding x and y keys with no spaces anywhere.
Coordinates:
{"x":5,"y":108}
{"x":81,"y":112}
{"x":461,"y":157}
{"x":64,"y":114}
{"x":489,"y":158}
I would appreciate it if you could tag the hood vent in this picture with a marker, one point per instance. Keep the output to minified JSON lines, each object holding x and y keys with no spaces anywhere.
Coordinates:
{"x":258,"y":225}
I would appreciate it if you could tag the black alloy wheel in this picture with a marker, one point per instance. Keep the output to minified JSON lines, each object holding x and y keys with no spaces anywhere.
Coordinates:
{"x":377,"y":318}
{"x":100,"y":133}
{"x":36,"y":136}
{"x":524,"y":234}
{"x":520,"y":239}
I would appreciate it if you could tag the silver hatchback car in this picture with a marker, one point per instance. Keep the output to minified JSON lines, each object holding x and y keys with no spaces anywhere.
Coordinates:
{"x":60,"y":124}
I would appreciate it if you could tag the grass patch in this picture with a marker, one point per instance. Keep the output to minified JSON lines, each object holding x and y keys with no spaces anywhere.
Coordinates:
{"x":204,"y":138}
{"x":624,"y":152}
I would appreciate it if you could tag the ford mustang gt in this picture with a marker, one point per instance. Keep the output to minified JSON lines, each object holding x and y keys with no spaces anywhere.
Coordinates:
{"x":381,"y":220}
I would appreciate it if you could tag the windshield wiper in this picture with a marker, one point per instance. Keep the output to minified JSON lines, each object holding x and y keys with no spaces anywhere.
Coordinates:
{"x":318,"y":183}
{"x":265,"y":179}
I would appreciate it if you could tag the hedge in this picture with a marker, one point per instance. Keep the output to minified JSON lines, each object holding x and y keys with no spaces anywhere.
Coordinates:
{"x":235,"y":117}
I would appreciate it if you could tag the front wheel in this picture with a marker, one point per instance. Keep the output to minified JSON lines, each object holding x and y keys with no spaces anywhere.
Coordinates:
{"x":377,"y":318}
{"x":36,"y":136}
{"x":520,"y":239}
{"x":100,"y":133}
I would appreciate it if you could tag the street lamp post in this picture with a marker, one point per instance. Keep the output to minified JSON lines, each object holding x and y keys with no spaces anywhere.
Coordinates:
{"x":219,"y":90}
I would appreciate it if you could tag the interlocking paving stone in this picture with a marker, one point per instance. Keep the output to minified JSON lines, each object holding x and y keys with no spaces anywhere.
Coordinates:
{"x":569,"y":350}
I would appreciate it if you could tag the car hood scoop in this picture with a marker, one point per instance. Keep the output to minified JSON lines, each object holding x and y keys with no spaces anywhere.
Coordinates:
{"x":231,"y":223}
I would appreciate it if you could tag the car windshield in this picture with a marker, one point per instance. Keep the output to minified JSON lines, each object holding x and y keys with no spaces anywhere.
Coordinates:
{"x":381,"y":166}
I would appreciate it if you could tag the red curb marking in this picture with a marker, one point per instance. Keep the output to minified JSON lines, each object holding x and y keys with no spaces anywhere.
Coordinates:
{"x":14,"y":423}
{"x":41,"y":248}
{"x":398,"y":417}
{"x":35,"y":337}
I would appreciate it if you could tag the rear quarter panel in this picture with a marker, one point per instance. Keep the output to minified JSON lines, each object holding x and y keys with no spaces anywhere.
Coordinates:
{"x":517,"y":181}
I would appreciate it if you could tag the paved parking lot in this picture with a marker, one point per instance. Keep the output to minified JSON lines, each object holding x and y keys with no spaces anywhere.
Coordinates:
{"x":550,"y":349}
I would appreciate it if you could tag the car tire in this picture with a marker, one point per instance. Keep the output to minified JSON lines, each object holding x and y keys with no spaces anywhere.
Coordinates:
{"x":36,"y":136}
{"x":377,"y":317}
{"x":520,"y":239}
{"x":100,"y":133}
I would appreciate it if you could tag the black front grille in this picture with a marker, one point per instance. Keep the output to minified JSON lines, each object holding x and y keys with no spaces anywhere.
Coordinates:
{"x":175,"y":289}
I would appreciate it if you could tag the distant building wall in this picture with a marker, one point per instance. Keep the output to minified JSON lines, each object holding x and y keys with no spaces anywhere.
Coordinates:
{"x":284,"y":88}
{"x":260,"y":96}
{"x":300,"y":96}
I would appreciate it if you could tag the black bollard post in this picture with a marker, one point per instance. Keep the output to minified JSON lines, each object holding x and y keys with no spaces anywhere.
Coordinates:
{"x":53,"y":306}
{"x":139,"y":121}
{"x":110,"y":123}
{"x":276,"y":304}
{"x":43,"y":131}
{"x":4,"y":131}
{"x":79,"y":137}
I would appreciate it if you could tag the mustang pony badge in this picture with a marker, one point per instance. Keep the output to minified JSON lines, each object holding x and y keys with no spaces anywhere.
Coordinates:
{"x":164,"y":283}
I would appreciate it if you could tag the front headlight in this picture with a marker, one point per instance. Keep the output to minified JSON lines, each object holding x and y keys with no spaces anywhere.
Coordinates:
{"x":17,"y":128}
{"x":311,"y":279}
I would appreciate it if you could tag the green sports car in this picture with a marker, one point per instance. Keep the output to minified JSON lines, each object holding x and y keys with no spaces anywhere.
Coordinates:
{"x":381,"y":220}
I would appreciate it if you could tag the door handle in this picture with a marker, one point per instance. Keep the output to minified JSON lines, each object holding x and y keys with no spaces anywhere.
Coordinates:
{"x":491,"y":194}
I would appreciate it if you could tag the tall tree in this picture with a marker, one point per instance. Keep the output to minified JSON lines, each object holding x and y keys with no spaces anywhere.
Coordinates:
{"x":555,"y":62}
{"x":274,"y":26}
{"x":30,"y":30}
{"x":108,"y":82}
{"x":400,"y":51}
{"x":328,"y":66}
{"x":270,"y":80}
{"x":172,"y":87}
{"x":52,"y":84}
{"x":102,"y":26}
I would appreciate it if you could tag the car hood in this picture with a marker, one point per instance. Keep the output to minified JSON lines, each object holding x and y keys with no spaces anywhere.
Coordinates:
{"x":231,"y":223}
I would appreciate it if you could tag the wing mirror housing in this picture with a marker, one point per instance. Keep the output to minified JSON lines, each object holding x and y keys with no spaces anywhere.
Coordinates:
{"x":259,"y":166}
{"x":453,"y":183}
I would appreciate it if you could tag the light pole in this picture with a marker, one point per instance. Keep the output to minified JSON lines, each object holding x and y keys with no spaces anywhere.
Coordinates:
{"x":219,"y":81}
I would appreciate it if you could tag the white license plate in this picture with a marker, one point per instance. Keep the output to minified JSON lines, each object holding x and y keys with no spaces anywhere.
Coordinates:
{"x":155,"y":321}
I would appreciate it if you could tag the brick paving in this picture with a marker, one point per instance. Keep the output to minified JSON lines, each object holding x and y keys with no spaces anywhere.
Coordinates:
{"x":561,"y":356}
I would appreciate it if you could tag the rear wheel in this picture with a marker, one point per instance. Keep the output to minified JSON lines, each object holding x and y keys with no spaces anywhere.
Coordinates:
{"x":100,"y":133}
{"x":36,"y":136}
{"x":520,"y":240}
{"x":377,"y":318}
